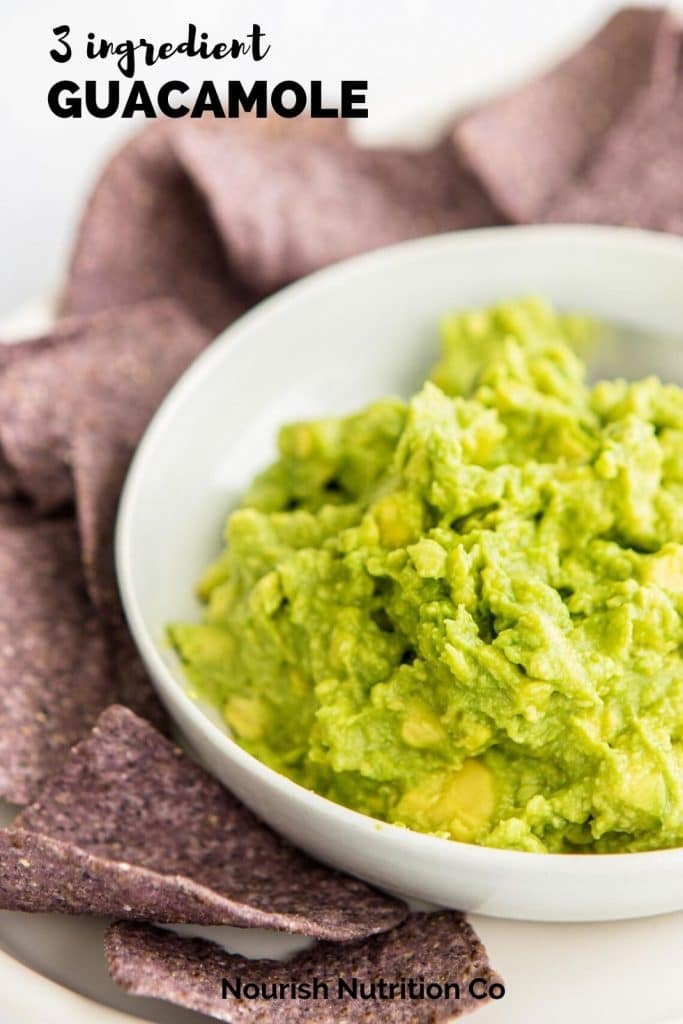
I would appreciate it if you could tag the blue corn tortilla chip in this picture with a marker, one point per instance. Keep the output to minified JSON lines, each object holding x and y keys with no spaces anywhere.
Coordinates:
{"x":436,"y":949}
{"x":9,"y":484}
{"x":55,"y":670}
{"x":10,"y":354}
{"x":212,"y":212}
{"x":637,"y":179}
{"x":528,"y":146}
{"x":133,"y":687}
{"x":123,"y":361}
{"x":354,"y":199}
{"x":110,"y":371}
{"x":14,"y":511}
{"x":34,"y":426}
{"x":132,"y":827}
{"x":146,"y":234}
{"x":101,"y":454}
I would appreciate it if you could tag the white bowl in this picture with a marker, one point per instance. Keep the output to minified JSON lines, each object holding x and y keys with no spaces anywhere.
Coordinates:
{"x":330,"y":343}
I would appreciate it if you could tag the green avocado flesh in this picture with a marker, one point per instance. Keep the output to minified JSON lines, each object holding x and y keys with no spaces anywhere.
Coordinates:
{"x":463,"y":613}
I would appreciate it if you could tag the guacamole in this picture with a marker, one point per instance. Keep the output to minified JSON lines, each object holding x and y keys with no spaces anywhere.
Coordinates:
{"x":463,"y":613}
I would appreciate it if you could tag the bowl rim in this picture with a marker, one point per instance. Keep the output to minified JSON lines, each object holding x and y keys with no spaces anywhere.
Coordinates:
{"x":600,"y":866}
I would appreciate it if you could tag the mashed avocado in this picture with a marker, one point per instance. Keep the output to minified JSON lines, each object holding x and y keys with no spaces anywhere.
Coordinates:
{"x":464,"y":613}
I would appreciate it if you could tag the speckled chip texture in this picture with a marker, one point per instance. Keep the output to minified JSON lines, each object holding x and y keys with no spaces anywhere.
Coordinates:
{"x":529,"y":145}
{"x":146,"y":233}
{"x":55,"y":674}
{"x":73,"y":406}
{"x":637,"y":178}
{"x":114,"y":365}
{"x":72,"y":412}
{"x":438,"y":949}
{"x":214,"y":212}
{"x":131,"y":827}
{"x":10,"y":354}
{"x":286,"y":205}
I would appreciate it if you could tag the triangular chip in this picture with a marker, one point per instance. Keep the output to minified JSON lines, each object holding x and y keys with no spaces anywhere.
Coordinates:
{"x":528,"y":146}
{"x":132,"y":827}
{"x":10,"y":354}
{"x":55,"y":670}
{"x":112,"y":365}
{"x":438,"y":953}
{"x":354,"y":198}
{"x":145,"y":234}
{"x":637,"y":179}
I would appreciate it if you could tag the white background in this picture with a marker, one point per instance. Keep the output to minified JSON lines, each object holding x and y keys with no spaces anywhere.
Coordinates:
{"x":423,"y":59}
